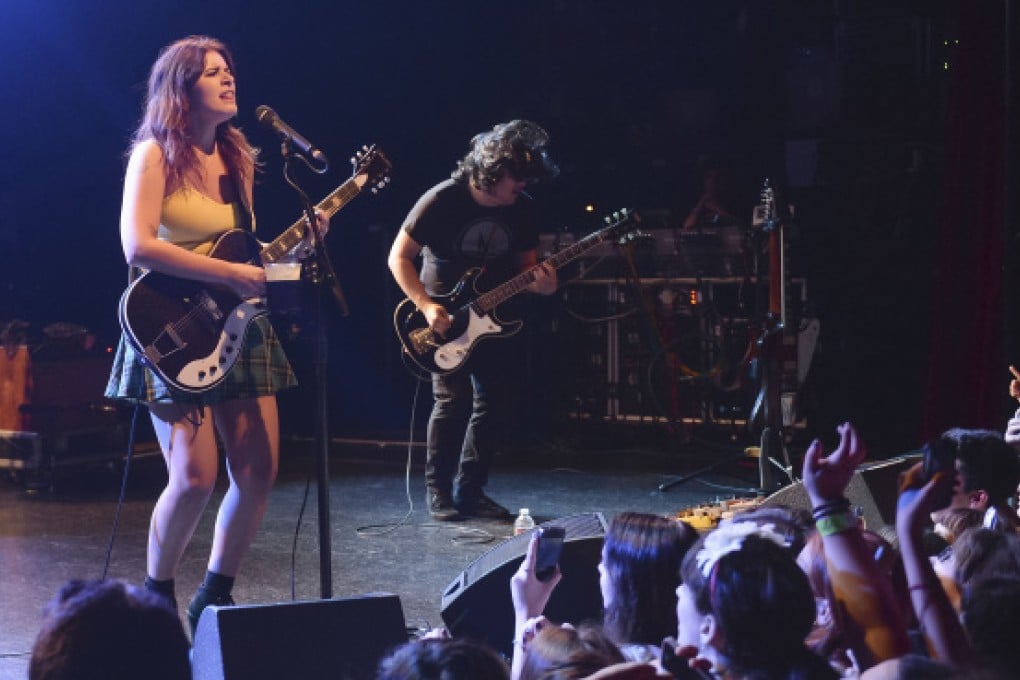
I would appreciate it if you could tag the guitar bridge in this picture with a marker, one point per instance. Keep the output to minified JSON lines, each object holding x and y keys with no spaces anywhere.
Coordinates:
{"x":155,"y":355}
{"x":423,"y":340}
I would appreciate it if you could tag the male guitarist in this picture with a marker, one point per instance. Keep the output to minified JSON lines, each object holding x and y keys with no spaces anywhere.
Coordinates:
{"x":481,"y":217}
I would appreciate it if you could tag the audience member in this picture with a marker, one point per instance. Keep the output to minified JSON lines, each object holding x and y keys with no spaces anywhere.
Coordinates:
{"x":988,"y":470}
{"x":746,"y":607}
{"x":638,"y":576}
{"x":950,"y":523}
{"x":991,"y":616}
{"x":563,"y":652}
{"x":836,"y":636}
{"x":943,"y":634}
{"x":985,"y":553}
{"x":862,"y":590}
{"x":108,"y":630}
{"x":457,"y":659}
{"x":912,"y":667}
{"x":794,"y":523}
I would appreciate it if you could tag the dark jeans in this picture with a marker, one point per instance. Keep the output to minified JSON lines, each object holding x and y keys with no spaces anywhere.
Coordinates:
{"x":469,"y":419}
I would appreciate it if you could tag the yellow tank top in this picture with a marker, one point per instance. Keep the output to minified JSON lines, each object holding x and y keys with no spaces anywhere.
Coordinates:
{"x":192,"y":220}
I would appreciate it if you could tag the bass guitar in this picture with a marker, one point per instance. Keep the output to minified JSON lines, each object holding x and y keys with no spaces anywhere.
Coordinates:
{"x":190,"y":333}
{"x":472,"y":314}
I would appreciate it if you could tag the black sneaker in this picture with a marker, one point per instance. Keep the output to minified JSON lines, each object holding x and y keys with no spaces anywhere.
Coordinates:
{"x":441,"y":506}
{"x":484,"y":507}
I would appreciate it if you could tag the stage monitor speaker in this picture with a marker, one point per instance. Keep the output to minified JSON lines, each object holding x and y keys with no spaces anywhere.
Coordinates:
{"x":477,"y":603}
{"x":872,"y":491}
{"x":339,"y":638}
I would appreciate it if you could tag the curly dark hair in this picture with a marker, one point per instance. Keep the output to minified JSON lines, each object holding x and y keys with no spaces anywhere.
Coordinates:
{"x":517,"y":148}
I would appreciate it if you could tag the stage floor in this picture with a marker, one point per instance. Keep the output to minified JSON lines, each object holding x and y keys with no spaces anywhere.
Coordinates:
{"x":47,"y":538}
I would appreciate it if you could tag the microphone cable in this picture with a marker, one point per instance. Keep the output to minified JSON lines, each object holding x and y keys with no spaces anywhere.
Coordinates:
{"x":123,"y":490}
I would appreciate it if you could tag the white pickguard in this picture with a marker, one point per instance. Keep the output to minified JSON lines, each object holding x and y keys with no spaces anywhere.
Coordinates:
{"x":210,"y":369}
{"x":451,"y":355}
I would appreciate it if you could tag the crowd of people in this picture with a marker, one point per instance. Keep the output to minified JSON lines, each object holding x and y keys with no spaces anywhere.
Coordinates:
{"x":771,"y":593}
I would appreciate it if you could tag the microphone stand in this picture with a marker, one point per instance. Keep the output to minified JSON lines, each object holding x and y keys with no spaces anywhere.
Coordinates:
{"x":320,"y":273}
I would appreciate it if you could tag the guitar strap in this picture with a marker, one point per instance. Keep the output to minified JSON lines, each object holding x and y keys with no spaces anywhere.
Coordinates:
{"x":242,"y":195}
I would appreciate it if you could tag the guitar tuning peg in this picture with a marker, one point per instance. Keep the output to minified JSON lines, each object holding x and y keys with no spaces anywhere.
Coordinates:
{"x":365,"y":147}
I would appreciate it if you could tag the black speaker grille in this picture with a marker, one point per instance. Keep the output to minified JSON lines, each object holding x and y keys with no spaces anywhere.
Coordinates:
{"x":339,"y":639}
{"x":477,"y":603}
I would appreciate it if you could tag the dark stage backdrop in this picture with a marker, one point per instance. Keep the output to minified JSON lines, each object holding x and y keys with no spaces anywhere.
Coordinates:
{"x":842,"y":103}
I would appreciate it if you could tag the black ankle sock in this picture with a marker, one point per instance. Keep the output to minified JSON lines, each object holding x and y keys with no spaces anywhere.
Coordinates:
{"x":164,"y":587}
{"x":217,"y":584}
{"x":215,"y":588}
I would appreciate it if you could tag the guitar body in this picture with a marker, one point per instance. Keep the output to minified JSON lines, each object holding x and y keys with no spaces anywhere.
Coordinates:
{"x":469,"y":326}
{"x":473,"y":314}
{"x":188,"y":332}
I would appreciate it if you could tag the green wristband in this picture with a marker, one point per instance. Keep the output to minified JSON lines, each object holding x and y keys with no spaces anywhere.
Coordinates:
{"x":834,"y":524}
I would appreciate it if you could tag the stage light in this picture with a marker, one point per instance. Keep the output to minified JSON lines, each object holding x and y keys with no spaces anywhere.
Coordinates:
{"x":589,"y":208}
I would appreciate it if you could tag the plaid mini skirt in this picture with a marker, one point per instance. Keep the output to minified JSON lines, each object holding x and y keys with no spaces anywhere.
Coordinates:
{"x":261,"y":369}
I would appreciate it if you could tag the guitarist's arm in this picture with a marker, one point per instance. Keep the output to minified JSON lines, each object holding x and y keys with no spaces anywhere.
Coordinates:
{"x":145,"y":186}
{"x":401,"y":263}
{"x":545,"y":282}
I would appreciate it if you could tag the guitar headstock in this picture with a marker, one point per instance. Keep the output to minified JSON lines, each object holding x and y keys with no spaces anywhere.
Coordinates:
{"x":622,"y":225}
{"x":371,"y":165}
{"x":765,"y":211}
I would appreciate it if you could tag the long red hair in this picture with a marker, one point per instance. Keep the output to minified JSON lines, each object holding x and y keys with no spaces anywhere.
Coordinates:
{"x":168,"y":104}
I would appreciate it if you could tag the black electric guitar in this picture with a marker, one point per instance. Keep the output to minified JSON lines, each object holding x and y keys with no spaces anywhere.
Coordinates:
{"x":190,"y":332}
{"x":472,"y":315}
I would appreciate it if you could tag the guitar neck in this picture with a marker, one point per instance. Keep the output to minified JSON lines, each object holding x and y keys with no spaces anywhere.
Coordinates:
{"x":295,"y":233}
{"x":500,"y":294}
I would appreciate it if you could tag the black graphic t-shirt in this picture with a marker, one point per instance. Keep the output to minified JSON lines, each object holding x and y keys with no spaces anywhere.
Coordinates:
{"x":457,"y":234}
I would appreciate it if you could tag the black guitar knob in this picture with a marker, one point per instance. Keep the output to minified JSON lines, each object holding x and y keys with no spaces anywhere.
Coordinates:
{"x":233,"y":337}
{"x":212,"y":370}
{"x":201,"y":375}
{"x":229,"y":349}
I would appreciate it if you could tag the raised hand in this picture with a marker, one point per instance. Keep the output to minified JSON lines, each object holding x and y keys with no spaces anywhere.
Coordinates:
{"x":530,"y":595}
{"x":826,"y":477}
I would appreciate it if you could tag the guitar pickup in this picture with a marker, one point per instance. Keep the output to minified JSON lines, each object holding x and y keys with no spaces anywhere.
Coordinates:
{"x":423,"y":340}
{"x":212,"y":315}
{"x":176,"y":343}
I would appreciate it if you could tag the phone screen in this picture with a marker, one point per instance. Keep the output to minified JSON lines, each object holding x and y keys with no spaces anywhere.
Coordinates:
{"x":550,"y":545}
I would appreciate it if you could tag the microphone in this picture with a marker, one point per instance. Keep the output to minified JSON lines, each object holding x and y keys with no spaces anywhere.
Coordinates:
{"x":268,"y":119}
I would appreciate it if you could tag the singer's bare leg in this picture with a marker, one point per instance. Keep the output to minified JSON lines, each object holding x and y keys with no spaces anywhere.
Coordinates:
{"x":250,"y":431}
{"x":188,"y":441}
